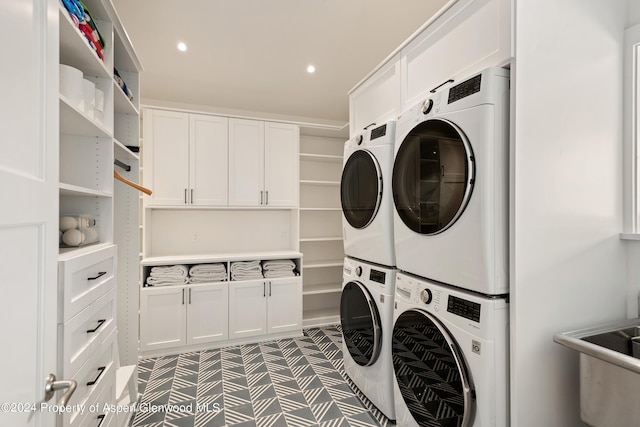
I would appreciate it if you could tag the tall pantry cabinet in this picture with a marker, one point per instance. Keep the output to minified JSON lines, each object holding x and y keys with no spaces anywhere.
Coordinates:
{"x":97,"y":280}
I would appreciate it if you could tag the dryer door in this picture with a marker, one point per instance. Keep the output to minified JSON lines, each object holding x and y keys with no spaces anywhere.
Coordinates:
{"x":361,"y":189}
{"x":433,"y":176}
{"x":430,"y":371}
{"x":361,"y":327}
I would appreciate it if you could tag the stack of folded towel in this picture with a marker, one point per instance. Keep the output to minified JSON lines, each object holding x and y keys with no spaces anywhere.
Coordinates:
{"x":203,"y":273}
{"x":279,"y":268}
{"x":168,"y":275}
{"x":246,"y":270}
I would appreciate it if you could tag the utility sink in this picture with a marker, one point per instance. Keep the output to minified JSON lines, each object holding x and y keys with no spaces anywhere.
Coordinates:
{"x":609,"y":372}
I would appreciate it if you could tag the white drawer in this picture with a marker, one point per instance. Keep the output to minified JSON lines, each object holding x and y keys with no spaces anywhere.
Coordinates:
{"x":82,"y":335}
{"x":96,"y":380}
{"x":83,"y":278}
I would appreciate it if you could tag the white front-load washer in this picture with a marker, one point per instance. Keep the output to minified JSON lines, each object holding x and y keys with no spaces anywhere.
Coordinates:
{"x":365,"y":195}
{"x":366,"y":317}
{"x":450,"y":185}
{"x":450,"y":356}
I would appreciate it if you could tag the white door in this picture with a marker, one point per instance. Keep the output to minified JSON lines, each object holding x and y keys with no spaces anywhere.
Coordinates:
{"x":163,"y":317}
{"x":281,"y":164}
{"x":247,"y":308}
{"x":246,"y":162}
{"x":285,"y":305}
{"x":208,"y":160}
{"x":207,"y":313}
{"x":29,"y":217}
{"x":166,"y":157}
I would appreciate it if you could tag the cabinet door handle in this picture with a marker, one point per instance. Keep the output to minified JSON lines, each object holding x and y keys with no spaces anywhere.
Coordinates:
{"x":99,"y":275}
{"x":185,"y":196}
{"x":261,"y":197}
{"x":269,"y":288}
{"x":190,"y":295}
{"x":182,"y":296}
{"x":192,"y":196}
{"x":101,"y":418}
{"x":267,"y":197}
{"x":264,"y":289}
{"x":100,"y":371}
{"x":100,"y":323}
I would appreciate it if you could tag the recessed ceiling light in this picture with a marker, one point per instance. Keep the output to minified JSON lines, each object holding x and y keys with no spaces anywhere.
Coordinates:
{"x":311,"y":69}
{"x":182,"y":47}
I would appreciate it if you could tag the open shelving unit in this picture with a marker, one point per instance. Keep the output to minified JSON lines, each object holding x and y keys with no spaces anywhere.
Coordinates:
{"x":321,"y":225}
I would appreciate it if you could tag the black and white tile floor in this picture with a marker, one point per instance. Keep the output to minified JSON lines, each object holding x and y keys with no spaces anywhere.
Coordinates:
{"x":296,"y":382}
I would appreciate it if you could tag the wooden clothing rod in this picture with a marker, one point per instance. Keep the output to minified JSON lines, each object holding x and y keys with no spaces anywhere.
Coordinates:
{"x":119,"y":177}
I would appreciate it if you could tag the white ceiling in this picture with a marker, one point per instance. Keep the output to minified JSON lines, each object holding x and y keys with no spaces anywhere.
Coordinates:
{"x":252,"y":55}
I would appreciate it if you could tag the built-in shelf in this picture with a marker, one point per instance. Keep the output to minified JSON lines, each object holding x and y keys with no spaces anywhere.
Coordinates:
{"x":121,"y":152}
{"x":324,"y":288}
{"x":121,"y":102}
{"x":321,"y":317}
{"x":320,"y":158}
{"x":74,"y":121}
{"x":321,"y":239}
{"x":324,"y":263}
{"x":311,"y":182}
{"x":75,"y":190}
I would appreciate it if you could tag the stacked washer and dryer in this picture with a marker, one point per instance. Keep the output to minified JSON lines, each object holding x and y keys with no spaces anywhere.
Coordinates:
{"x":424,"y":307}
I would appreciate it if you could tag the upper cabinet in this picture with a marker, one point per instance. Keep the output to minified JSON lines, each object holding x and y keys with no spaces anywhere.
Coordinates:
{"x":187,"y":158}
{"x":464,"y":37}
{"x":263,"y":163}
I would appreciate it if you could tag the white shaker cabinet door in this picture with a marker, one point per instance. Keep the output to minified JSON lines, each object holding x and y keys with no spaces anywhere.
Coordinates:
{"x":207,"y":313}
{"x":162,"y":317}
{"x":166,"y":157}
{"x":208,"y":160}
{"x":285,"y":305}
{"x":246,"y":162}
{"x":247,"y":308}
{"x":281,"y":164}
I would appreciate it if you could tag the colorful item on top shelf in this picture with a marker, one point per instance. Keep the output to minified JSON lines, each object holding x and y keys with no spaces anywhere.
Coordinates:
{"x":122,"y":84}
{"x":82,"y":19}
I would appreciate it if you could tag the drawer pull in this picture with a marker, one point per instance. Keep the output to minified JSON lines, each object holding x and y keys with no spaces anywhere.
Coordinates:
{"x":100,"y":323}
{"x":101,"y":418}
{"x":100,"y":371}
{"x":102,"y":273}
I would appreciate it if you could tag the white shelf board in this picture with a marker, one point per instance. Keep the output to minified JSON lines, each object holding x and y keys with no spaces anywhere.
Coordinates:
{"x":321,"y":239}
{"x":121,"y":103}
{"x":323,"y":264}
{"x":75,"y":50}
{"x":221,"y":257}
{"x":312,"y":182}
{"x":68,"y":253}
{"x":75,"y":190}
{"x":122,"y":153}
{"x":74,"y":121}
{"x":322,"y":317}
{"x":324,"y":288}
{"x":325,"y":158}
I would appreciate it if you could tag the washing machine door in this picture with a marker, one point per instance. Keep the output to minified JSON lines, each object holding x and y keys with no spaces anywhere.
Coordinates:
{"x":430,"y":371}
{"x":361,"y":327}
{"x":433,"y":175}
{"x":361,"y":188}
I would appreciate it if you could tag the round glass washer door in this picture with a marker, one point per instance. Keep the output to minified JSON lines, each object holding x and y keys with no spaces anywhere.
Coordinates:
{"x":361,"y":327}
{"x":361,"y":189}
{"x":433,"y":176}
{"x":430,"y":372}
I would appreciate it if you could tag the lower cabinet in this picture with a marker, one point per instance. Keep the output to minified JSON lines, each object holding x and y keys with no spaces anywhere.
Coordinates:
{"x":175,"y":316}
{"x":266,"y":306}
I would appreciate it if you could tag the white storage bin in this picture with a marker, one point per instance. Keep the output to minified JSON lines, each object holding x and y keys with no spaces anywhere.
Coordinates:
{"x":78,"y":230}
{"x":71,"y":85}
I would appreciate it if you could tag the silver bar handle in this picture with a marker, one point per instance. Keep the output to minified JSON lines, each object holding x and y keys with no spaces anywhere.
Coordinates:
{"x":52,"y":385}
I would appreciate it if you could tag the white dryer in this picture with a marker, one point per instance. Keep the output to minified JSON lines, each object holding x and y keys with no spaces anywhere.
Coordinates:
{"x":450,"y":185}
{"x":365,"y":195}
{"x":450,"y":356}
{"x":366,"y":316}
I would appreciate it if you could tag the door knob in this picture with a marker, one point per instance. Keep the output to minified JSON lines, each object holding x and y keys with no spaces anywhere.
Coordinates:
{"x":52,"y":385}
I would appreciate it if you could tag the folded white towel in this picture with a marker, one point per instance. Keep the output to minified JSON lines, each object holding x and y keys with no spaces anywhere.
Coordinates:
{"x":207,"y":268}
{"x":246,"y":266}
{"x":278,"y":264}
{"x":246,"y":275}
{"x":198,"y":279}
{"x":159,"y":281}
{"x":271,"y":274}
{"x":173,"y":270}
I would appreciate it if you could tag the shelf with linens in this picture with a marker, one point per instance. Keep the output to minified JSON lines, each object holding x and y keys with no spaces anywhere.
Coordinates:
{"x":93,"y":271}
{"x":320,"y":233}
{"x":261,"y":299}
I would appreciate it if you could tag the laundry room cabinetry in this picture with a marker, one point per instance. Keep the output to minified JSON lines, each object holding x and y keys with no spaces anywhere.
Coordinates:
{"x":263,"y":163}
{"x":189,"y":158}
{"x":173,"y":316}
{"x":321,"y":224}
{"x":267,"y":306}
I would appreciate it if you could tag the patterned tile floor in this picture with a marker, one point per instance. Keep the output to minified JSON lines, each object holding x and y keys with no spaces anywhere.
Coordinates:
{"x":296,"y":382}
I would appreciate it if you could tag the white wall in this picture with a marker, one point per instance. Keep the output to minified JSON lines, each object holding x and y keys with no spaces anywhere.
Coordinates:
{"x":568,"y":263}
